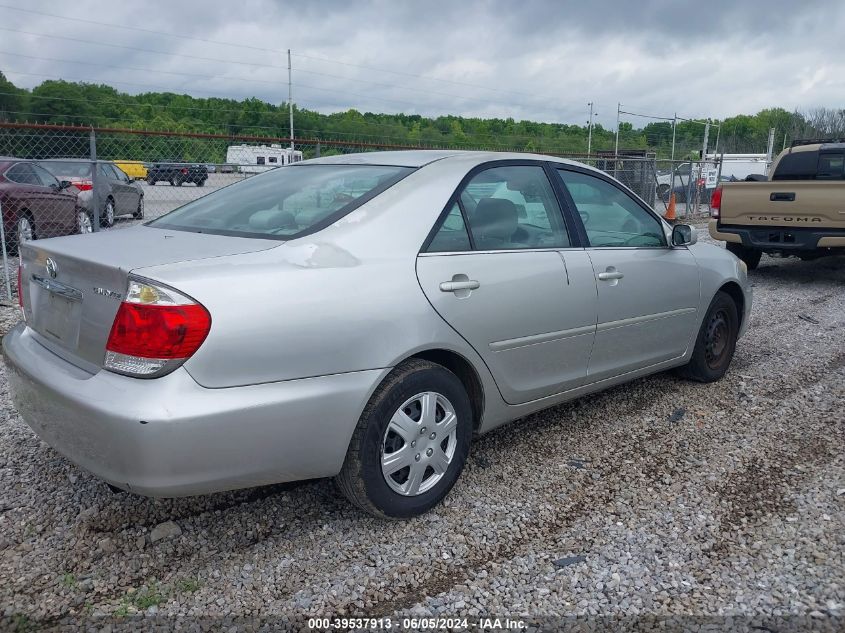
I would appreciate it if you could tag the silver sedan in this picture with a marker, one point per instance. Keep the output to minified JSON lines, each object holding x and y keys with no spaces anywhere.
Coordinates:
{"x":361,"y":317}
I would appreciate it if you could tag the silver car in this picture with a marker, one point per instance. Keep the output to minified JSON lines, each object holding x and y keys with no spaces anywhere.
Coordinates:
{"x":361,"y":317}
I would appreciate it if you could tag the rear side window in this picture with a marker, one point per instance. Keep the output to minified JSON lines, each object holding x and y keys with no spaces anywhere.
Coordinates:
{"x":284,"y":203}
{"x":452,"y":235}
{"x":831,"y":166}
{"x":23,"y":173}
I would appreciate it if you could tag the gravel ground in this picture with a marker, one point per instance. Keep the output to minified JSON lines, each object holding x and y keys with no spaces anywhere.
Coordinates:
{"x":656,"y":499}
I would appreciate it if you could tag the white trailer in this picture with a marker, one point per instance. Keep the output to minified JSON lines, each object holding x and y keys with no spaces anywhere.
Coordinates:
{"x":254,"y":159}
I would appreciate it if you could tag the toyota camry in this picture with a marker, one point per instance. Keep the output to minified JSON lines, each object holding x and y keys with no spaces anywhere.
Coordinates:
{"x":361,"y":317}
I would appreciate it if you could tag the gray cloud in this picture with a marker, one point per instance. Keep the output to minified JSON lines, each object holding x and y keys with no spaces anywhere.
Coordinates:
{"x":531,"y":59}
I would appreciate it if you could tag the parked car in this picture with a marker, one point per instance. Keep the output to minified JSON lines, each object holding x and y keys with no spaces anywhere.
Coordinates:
{"x":683,"y":190}
{"x":135,"y":169}
{"x":177,"y":173}
{"x":360,"y":317}
{"x":112,"y":192}
{"x":798,"y":212}
{"x":35,"y":204}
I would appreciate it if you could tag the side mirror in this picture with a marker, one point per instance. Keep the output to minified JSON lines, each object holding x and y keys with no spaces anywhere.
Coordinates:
{"x":64,"y":184}
{"x":684,"y":235}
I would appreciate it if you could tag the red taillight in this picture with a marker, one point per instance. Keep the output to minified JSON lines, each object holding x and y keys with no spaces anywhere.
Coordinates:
{"x":716,"y":202}
{"x":155,"y":330}
{"x":82,"y":185}
{"x":184,"y":170}
{"x":158,"y":331}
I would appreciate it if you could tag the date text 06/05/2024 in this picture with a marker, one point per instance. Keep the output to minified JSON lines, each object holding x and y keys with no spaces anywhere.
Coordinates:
{"x":450,"y":624}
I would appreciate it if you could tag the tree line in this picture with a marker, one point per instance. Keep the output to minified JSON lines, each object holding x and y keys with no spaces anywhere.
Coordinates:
{"x":56,"y":101}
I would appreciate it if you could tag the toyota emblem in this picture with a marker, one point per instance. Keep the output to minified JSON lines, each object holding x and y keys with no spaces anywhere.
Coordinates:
{"x":52,"y":269}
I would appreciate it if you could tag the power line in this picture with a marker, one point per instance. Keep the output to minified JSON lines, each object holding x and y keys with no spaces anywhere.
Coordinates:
{"x":256,"y":65}
{"x":262,"y":49}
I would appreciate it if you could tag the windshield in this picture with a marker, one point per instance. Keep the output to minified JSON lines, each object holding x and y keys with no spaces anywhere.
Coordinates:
{"x":67,"y":169}
{"x":285,"y":203}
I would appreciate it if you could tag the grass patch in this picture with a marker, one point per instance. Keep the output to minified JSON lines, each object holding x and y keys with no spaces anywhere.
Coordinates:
{"x":188,"y":585}
{"x":69,"y":581}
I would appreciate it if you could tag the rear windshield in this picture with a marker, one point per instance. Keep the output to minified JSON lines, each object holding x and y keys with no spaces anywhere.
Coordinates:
{"x":284,"y":203}
{"x":67,"y":169}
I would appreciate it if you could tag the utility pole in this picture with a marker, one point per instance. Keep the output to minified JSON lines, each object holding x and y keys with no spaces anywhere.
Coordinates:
{"x":590,"y":130}
{"x":290,"y":100}
{"x":770,"y":147}
{"x":618,"y":111}
{"x":672,"y":155}
{"x":718,"y":134}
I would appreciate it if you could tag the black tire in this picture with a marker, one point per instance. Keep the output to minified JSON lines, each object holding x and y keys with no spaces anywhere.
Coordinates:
{"x":716,"y":341}
{"x":139,"y":213}
{"x":361,"y":479}
{"x":751,"y":256}
{"x":151,"y":181}
{"x":201,"y":183}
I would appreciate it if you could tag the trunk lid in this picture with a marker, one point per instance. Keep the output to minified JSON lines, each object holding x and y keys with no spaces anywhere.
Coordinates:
{"x":803,"y":203}
{"x":73,"y":286}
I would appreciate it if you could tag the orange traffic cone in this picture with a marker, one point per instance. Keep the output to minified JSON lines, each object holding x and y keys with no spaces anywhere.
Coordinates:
{"x":670,"y":216}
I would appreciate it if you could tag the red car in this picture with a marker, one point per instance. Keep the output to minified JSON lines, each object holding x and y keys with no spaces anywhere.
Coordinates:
{"x":36,"y":205}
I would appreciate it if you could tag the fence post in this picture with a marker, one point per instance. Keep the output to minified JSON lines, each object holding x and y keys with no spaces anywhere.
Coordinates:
{"x":92,"y":150}
{"x":317,"y":150}
{"x":5,"y":254}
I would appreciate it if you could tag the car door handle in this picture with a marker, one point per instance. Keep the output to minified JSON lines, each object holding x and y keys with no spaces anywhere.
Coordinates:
{"x":610,"y":275}
{"x":453,"y":286}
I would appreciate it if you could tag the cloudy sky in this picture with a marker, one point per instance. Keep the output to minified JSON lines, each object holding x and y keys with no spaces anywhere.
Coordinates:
{"x":529,"y":59}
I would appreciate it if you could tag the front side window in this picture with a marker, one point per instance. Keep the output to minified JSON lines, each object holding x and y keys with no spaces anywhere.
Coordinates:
{"x":45,"y":177}
{"x":284,"y":203}
{"x":272,"y":159}
{"x":611,"y":217}
{"x":513,"y":207}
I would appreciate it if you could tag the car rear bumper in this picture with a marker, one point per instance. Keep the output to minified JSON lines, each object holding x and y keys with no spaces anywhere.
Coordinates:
{"x":778,"y":238}
{"x":170,"y":437}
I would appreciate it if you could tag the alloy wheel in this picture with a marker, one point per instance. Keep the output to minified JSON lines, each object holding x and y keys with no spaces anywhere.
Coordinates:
{"x":419,"y":444}
{"x":83,"y":223}
{"x":25,"y":231}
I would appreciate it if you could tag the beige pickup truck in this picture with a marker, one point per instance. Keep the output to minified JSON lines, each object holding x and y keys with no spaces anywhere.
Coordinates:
{"x":798,"y":210}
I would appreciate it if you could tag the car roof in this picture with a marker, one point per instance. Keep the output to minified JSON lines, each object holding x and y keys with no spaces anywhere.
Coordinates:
{"x":422,"y":157}
{"x":72,"y":160}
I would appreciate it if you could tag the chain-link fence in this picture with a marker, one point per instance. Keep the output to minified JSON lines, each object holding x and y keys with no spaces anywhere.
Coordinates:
{"x":61,"y":180}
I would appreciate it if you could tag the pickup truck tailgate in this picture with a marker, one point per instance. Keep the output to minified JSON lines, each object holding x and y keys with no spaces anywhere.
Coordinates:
{"x":811,"y":203}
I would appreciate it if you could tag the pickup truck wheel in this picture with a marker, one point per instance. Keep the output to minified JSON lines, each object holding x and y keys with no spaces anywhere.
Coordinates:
{"x":201,"y":183}
{"x":411,"y":442}
{"x":751,"y":256}
{"x":716,"y":342}
{"x":151,"y":180}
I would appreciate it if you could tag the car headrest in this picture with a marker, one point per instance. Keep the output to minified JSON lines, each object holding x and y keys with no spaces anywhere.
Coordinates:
{"x":495,"y":218}
{"x":270,"y":219}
